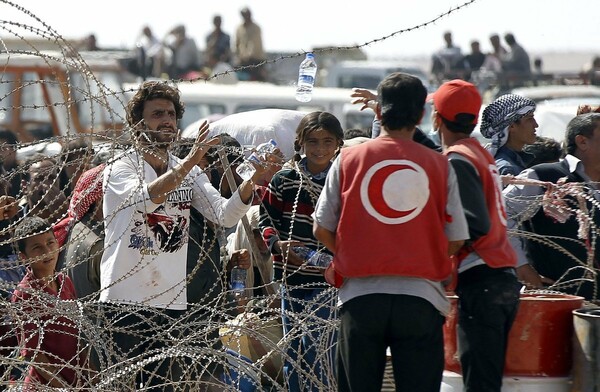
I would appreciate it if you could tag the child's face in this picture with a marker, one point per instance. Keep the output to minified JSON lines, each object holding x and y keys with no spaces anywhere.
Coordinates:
{"x":320,"y":146}
{"x":41,"y":250}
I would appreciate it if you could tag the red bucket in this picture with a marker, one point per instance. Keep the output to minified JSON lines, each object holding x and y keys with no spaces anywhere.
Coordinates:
{"x":540,"y":341}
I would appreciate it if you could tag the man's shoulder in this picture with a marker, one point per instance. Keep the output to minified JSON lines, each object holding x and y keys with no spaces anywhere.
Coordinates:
{"x":124,"y":161}
{"x":551,"y":171}
{"x":122,"y":156}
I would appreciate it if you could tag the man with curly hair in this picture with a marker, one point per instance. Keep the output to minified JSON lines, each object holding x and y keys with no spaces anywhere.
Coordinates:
{"x":148,"y":194}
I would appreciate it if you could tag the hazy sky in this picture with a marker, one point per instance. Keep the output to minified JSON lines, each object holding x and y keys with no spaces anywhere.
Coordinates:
{"x":539,"y":25}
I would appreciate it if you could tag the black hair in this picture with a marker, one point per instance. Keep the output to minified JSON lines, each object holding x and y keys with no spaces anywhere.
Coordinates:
{"x":544,"y":150}
{"x":29,"y":227}
{"x":463,"y":124}
{"x":9,"y":137}
{"x":232,"y":147}
{"x":55,"y":169}
{"x":401,"y":99}
{"x":584,"y":125}
{"x":76,"y":148}
{"x":355,"y":132}
{"x":509,"y":38}
{"x":153,"y":90}
{"x":183,"y":147}
{"x":312,"y":122}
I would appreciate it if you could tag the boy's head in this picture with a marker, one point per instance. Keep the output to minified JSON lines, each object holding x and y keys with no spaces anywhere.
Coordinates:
{"x":36,"y":242}
{"x":457,"y":105}
{"x":401,"y":101}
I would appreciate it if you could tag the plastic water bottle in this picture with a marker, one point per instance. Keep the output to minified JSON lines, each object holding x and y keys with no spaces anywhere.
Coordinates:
{"x":238,"y":281}
{"x":246,"y":170}
{"x":306,"y":78}
{"x":312,"y":257}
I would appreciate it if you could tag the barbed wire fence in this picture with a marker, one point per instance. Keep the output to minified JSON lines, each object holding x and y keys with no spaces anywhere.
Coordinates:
{"x":222,"y":342}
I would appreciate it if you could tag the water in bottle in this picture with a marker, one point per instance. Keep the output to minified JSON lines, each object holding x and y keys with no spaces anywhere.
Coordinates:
{"x":306,"y":78}
{"x":238,"y":281}
{"x":303,"y":252}
{"x":320,"y":260}
{"x":312,"y":257}
{"x":246,"y":170}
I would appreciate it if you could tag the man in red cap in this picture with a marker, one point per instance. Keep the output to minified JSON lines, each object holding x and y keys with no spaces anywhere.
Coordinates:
{"x":487,"y":285}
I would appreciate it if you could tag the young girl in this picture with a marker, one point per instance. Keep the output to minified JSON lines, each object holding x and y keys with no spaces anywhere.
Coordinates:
{"x":307,"y":303}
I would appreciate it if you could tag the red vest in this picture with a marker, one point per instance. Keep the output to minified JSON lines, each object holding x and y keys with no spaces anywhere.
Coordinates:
{"x":393,"y":211}
{"x":493,"y":247}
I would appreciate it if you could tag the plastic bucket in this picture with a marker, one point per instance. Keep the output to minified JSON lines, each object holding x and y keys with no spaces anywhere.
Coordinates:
{"x":586,"y":353}
{"x":539,"y":343}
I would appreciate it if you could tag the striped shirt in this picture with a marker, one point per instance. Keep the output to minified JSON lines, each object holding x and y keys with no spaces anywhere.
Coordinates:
{"x":285,"y":214}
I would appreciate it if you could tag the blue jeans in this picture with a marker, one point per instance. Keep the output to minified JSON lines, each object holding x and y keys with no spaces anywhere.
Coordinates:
{"x":309,"y":322}
{"x":136,"y":334}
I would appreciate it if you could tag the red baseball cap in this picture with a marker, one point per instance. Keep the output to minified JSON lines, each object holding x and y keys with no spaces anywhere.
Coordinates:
{"x":455,"y":97}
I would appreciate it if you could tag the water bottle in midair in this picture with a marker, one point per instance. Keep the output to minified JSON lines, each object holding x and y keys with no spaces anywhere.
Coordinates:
{"x":306,"y":78}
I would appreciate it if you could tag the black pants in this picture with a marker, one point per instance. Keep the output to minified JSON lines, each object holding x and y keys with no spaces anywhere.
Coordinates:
{"x":409,"y":325}
{"x":487,"y":306}
{"x":139,"y":336}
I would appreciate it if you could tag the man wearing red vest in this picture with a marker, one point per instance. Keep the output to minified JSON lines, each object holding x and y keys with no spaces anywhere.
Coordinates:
{"x":390,"y":212}
{"x":487,"y":285}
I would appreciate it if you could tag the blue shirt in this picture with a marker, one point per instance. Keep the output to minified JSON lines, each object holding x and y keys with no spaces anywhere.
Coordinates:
{"x":510,"y":161}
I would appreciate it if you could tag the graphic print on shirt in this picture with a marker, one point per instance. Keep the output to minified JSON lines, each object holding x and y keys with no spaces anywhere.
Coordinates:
{"x":164,"y":229}
{"x":395,"y":191}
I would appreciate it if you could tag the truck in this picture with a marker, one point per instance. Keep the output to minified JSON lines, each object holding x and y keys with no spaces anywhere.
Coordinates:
{"x":53,"y":93}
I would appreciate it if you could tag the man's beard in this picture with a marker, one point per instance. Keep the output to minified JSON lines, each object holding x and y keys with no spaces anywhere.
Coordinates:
{"x":157,"y":139}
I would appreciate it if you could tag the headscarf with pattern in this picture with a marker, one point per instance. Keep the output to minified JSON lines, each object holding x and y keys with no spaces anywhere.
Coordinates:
{"x":500,"y":114}
{"x":88,"y":190}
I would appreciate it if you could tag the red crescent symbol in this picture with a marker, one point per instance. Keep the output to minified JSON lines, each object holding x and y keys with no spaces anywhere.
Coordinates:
{"x":376,"y":195}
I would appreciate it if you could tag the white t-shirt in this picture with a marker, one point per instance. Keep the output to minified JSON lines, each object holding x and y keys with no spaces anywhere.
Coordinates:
{"x":145,"y":248}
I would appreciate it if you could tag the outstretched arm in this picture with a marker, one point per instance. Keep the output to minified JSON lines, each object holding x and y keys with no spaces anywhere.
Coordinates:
{"x":362,"y":96}
{"x":160,"y":188}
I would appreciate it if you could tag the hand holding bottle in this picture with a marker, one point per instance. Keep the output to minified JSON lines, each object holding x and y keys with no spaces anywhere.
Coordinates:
{"x":285,"y":248}
{"x":255,"y":164}
{"x":312,"y":257}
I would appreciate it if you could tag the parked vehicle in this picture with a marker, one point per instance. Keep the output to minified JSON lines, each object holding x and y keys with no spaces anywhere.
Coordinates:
{"x":549,"y":92}
{"x":366,"y":74}
{"x":53,"y":94}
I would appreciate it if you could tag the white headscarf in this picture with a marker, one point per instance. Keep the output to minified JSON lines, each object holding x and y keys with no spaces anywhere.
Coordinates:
{"x":500,"y":114}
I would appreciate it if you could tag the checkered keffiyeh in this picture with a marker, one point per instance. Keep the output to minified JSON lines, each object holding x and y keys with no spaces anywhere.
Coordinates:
{"x":500,"y":114}
{"x":88,"y":190}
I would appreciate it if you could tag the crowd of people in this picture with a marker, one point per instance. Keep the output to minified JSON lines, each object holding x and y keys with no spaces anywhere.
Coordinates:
{"x":150,"y":234}
{"x":177,"y":56}
{"x":226,"y":58}
{"x":510,"y":67}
